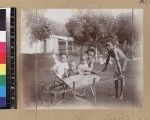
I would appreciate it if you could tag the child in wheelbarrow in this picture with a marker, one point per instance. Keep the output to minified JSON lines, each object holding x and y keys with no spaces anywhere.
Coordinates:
{"x":121,"y":63}
{"x":61,"y":67}
{"x":72,"y":69}
{"x":83,"y":67}
{"x":86,"y":61}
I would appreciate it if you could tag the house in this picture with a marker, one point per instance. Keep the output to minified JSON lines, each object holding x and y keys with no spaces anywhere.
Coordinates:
{"x":54,"y":44}
{"x":58,"y":44}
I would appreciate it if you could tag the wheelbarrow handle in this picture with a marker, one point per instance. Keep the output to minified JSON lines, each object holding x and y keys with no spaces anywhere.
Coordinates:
{"x":97,"y":74}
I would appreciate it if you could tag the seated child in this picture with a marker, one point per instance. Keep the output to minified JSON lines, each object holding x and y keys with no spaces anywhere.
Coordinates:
{"x":55,"y":58}
{"x":72,"y":68}
{"x":61,"y":67}
{"x":90,"y":59}
{"x":83,"y":66}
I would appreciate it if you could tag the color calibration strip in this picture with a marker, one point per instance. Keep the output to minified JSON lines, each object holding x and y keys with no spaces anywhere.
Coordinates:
{"x":2,"y":58}
{"x":11,"y":61}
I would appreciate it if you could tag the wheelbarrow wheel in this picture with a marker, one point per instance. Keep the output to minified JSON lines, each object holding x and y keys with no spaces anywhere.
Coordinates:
{"x":50,"y":92}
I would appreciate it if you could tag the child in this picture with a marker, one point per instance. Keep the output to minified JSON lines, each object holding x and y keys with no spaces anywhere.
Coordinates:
{"x":72,"y":68}
{"x":55,"y":58}
{"x":121,"y":62}
{"x":90,"y":58}
{"x":83,"y":66}
{"x":61,"y":67}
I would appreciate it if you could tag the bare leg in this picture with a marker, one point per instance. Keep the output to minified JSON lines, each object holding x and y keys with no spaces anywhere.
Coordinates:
{"x":116,"y":88}
{"x":121,"y":88}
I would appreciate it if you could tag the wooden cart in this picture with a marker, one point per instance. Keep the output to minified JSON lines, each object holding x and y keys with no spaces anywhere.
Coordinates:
{"x":54,"y":91}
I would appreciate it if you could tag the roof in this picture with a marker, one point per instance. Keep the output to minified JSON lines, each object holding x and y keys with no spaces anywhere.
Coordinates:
{"x":62,"y":38}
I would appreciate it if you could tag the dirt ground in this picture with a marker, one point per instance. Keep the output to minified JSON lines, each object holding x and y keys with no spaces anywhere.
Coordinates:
{"x":34,"y":74}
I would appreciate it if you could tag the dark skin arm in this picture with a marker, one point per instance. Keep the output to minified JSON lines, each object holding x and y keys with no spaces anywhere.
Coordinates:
{"x":117,"y":62}
{"x":107,"y":61}
{"x":115,"y":56}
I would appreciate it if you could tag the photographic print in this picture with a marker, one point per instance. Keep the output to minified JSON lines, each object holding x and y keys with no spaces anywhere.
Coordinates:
{"x":81,"y":58}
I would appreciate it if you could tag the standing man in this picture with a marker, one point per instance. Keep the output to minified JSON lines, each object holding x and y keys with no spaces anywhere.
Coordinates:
{"x":121,"y":63}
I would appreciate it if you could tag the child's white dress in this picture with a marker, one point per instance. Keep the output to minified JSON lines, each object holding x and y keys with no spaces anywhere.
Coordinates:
{"x":82,"y":68}
{"x":60,"y":69}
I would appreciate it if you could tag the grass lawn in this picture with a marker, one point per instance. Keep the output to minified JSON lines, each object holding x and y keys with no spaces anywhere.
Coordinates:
{"x":34,"y":74}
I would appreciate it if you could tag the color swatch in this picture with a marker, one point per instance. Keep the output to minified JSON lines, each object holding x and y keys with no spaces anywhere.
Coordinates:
{"x":2,"y":57}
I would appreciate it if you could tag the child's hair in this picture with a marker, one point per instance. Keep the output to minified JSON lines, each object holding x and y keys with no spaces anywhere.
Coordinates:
{"x":90,"y":50}
{"x":82,"y":58}
{"x":62,"y":54}
{"x":93,"y":51}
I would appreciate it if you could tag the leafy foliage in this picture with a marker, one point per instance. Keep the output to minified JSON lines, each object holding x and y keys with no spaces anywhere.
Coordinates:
{"x":39,"y":27}
{"x":90,"y":29}
{"x":94,"y":29}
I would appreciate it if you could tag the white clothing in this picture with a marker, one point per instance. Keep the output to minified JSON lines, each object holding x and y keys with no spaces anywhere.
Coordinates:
{"x":60,"y":69}
{"x":82,"y":68}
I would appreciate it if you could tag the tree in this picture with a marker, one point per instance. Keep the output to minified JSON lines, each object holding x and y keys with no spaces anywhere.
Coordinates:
{"x":128,"y":34}
{"x":89,"y":29}
{"x":39,"y":27}
{"x":59,"y":29}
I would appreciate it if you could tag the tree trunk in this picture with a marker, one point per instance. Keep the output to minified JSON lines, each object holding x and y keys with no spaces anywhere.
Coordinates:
{"x":96,"y":54}
{"x":81,"y":50}
{"x":44,"y":47}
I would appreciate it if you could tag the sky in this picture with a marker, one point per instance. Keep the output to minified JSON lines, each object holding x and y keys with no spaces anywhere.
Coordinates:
{"x":59,"y":15}
{"x":62,"y":15}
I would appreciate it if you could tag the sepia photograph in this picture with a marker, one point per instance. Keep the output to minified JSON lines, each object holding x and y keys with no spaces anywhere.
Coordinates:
{"x":81,"y":58}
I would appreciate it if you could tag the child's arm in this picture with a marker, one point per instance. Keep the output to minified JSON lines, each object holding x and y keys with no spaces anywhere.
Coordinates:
{"x":54,"y":68}
{"x":66,"y":70}
{"x":80,"y":70}
{"x":90,"y":67}
{"x":107,"y":61}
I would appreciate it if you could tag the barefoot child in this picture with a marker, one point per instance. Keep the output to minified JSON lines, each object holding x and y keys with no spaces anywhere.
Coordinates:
{"x":121,"y":63}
